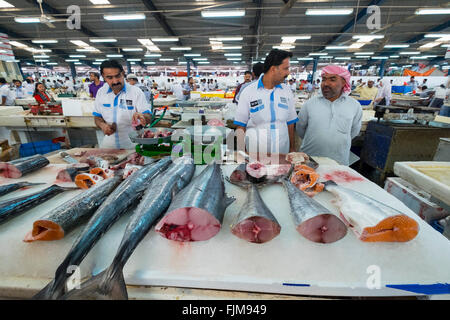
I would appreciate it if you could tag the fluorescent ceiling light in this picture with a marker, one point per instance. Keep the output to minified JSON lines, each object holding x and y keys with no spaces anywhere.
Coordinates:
{"x":18,"y":44}
{"x":363,"y":53}
{"x":26,"y":20}
{"x":397,"y":46}
{"x":96,"y":63}
{"x":99,"y":1}
{"x":4,"y":4}
{"x":380,"y":58}
{"x":116,"y":17}
{"x":362,"y":57}
{"x":226,"y":39}
{"x":328,"y":12}
{"x":337,"y":47}
{"x":87,"y":49}
{"x":134,"y":59}
{"x":100,"y":60}
{"x":166,"y":59}
{"x":77,"y":56}
{"x":44,"y":41}
{"x":165,"y":39}
{"x":77,"y":63}
{"x":318,"y":54}
{"x":437,"y":35}
{"x":357,"y":45}
{"x":406,"y":53}
{"x":283,"y":47}
{"x":79,"y":43}
{"x":222,"y":13}
{"x":114,"y":55}
{"x":430,"y":45}
{"x":41,"y":56}
{"x":445,"y":46}
{"x":407,"y":65}
{"x":41,"y":60}
{"x":204,"y":62}
{"x":305,"y":59}
{"x":293,"y":62}
{"x":368,"y":37}
{"x":180,"y":48}
{"x":419,"y":57}
{"x":191,"y":55}
{"x":152,"y":55}
{"x":149,"y":62}
{"x":231,"y":47}
{"x":394,"y":57}
{"x":293,"y":38}
{"x":343,"y":58}
{"x":72,"y":60}
{"x":433,"y":11}
{"x":34,"y":50}
{"x":103,"y":40}
{"x":200,"y":59}
{"x":234,"y":59}
{"x":182,"y":62}
{"x":132,"y":49}
{"x":52,"y":63}
{"x":233,"y":54}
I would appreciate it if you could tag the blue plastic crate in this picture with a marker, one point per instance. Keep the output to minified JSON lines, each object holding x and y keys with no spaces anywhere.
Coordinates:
{"x":365,"y":102}
{"x":38,"y":147}
{"x":401,"y":89}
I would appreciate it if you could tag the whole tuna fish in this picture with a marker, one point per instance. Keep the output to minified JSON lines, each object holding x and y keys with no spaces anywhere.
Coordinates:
{"x":196,"y":213}
{"x":20,"y":167}
{"x":115,"y":205}
{"x":15,"y":207}
{"x":110,"y":284}
{"x":60,"y":221}
{"x":255,"y":222}
{"x":16,"y":186}
{"x":312,"y":220}
{"x":371,"y":220}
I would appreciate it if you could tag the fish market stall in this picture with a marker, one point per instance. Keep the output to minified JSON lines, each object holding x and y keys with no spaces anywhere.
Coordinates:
{"x":289,"y":264}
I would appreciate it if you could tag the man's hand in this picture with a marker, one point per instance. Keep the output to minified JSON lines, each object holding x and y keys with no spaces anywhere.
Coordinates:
{"x":108,"y":129}
{"x":140,"y":117}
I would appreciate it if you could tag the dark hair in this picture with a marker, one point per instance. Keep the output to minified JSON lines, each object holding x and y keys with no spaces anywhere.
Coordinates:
{"x":424,"y":87}
{"x":275,"y":58}
{"x":28,"y":80}
{"x":247,"y":72}
{"x":111,"y":64}
{"x":95,"y":74}
{"x":258,"y":68}
{"x":17,"y":80}
{"x":2,"y":80}
{"x":36,"y":89}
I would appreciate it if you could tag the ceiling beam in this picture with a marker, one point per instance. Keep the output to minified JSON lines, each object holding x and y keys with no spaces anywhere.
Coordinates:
{"x":353,"y":22}
{"x":254,"y":44}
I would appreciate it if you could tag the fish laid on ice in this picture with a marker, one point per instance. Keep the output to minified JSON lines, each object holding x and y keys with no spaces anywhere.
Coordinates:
{"x":255,"y":222}
{"x":68,"y":174}
{"x":312,"y":220}
{"x":196,"y":213}
{"x":115,"y":205}
{"x":110,"y":284}
{"x":370,"y":219}
{"x":60,"y":221}
{"x":20,"y":167}
{"x":8,"y":188}
{"x":14,"y":207}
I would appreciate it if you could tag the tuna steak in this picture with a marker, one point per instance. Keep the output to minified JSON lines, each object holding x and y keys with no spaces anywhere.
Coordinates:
{"x":60,"y":221}
{"x":371,"y":220}
{"x":20,"y":167}
{"x":196,"y":213}
{"x":255,"y":222}
{"x":312,"y":220}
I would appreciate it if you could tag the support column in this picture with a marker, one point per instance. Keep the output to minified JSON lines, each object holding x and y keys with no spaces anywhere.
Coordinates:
{"x":73,"y":71}
{"x":314,"y":68}
{"x":128,"y":67}
{"x":382,"y":65}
